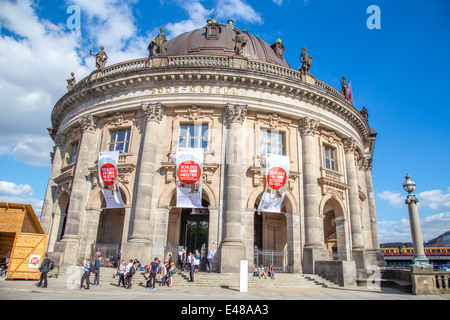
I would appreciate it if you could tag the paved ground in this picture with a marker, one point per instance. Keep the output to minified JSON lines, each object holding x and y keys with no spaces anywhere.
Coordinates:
{"x":61,"y":289}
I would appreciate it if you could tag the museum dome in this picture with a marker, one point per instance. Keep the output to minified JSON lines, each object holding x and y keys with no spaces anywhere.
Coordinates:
{"x":217,"y":40}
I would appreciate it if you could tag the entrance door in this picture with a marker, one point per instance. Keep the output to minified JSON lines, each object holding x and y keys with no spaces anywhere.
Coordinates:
{"x":109,"y":236}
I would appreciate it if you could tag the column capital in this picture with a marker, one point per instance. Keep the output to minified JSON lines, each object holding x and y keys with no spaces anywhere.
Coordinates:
{"x":308,"y":126}
{"x":349,"y":145}
{"x":60,"y":141}
{"x":235,"y":113}
{"x":87,"y":123}
{"x":411,"y":198}
{"x":153,"y":111}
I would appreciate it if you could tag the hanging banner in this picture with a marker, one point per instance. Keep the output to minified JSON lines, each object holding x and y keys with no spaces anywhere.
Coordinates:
{"x":189,"y":166}
{"x":107,"y":175}
{"x":277,"y":174}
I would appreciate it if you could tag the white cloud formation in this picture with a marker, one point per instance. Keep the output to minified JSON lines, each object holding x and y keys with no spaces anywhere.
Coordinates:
{"x":19,"y":193}
{"x":237,"y":10}
{"x":36,"y":58}
{"x":394,"y":199}
{"x":278,"y":2}
{"x":400,"y":231}
{"x":436,"y":200}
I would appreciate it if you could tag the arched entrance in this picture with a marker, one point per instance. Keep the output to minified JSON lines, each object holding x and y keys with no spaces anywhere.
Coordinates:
{"x":334,"y":229}
{"x":63,"y":207}
{"x":189,"y":229}
{"x":109,"y":233}
{"x":270,"y":238}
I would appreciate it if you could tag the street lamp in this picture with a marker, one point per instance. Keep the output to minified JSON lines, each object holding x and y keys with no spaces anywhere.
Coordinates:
{"x":419,"y":260}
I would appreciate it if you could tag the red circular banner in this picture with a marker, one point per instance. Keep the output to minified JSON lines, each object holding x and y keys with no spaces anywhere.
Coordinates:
{"x":108,"y":173}
{"x":34,"y":260}
{"x":276,"y":178}
{"x":189,"y":172}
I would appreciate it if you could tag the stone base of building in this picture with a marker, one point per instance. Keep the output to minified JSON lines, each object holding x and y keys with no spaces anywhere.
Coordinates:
{"x":67,"y":252}
{"x":340,"y":272}
{"x":310,"y":256}
{"x":141,"y":250}
{"x":231,"y":253}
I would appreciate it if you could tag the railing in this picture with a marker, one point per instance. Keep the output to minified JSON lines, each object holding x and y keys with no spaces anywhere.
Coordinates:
{"x":208,"y":61}
{"x":442,"y":282}
{"x":279,"y":260}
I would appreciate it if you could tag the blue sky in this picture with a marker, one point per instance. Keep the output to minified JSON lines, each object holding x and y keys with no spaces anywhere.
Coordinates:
{"x":399,"y":72}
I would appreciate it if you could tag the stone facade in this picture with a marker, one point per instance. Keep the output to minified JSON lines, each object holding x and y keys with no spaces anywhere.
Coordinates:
{"x":328,"y":212}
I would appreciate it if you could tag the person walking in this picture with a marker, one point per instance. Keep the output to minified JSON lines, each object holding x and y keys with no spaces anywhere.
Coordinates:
{"x":192,"y":269}
{"x":209,"y":258}
{"x":163,"y":273}
{"x":44,"y":268}
{"x":97,"y":271}
{"x":121,"y":270}
{"x":130,"y":270}
{"x":197,"y":260}
{"x":87,"y":274}
{"x":153,"y":271}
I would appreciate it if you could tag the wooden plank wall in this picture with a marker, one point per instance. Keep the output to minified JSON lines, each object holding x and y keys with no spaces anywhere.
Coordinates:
{"x":26,"y":244}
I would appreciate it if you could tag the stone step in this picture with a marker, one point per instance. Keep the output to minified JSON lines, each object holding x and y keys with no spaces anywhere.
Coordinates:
{"x":205,"y":279}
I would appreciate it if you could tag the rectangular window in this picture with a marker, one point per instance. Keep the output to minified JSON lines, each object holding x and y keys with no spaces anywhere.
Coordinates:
{"x":120,"y":141}
{"x":271,"y":142}
{"x":329,"y":158}
{"x":193,"y":136}
{"x":73,"y":152}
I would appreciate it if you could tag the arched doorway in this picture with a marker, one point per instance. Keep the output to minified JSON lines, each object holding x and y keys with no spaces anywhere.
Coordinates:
{"x":334,"y":229}
{"x":63,"y":206}
{"x":109,"y":233}
{"x":270,"y":238}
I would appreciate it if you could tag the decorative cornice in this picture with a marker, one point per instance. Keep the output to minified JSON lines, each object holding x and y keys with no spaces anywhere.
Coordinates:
{"x":349,"y":145}
{"x":235,"y":113}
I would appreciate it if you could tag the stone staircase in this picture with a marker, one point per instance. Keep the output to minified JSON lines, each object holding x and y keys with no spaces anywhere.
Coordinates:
{"x":211,"y":280}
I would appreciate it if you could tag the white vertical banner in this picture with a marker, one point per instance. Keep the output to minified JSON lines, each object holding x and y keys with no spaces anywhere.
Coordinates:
{"x":189,"y":168}
{"x":107,"y":175}
{"x":277,"y":174}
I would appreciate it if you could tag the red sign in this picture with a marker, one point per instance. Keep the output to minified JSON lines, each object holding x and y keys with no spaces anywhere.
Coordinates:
{"x":108,"y":173}
{"x":189,"y":172}
{"x":276,"y":178}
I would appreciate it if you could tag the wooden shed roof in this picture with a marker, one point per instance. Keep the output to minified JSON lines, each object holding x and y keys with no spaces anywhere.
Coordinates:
{"x":18,"y":217}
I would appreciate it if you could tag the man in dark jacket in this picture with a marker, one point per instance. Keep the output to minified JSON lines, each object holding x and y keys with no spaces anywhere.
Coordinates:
{"x":44,"y":269}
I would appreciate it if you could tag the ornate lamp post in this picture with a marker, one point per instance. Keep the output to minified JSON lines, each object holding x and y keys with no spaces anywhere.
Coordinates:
{"x":419,"y":260}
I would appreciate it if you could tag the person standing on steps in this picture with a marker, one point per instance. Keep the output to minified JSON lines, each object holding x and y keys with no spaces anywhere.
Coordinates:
{"x":192,"y":268}
{"x":130,"y":270}
{"x":152,"y":278}
{"x":97,"y":271}
{"x":87,"y":273}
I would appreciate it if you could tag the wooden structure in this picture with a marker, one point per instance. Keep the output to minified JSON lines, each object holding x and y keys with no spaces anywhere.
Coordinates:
{"x":22,"y":239}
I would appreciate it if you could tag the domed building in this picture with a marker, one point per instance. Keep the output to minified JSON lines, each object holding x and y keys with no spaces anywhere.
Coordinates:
{"x":235,"y":97}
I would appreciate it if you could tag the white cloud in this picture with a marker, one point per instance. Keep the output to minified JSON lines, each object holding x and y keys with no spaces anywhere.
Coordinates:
{"x":434,"y":199}
{"x":400,"y":231}
{"x":223,"y":10}
{"x":394,"y":199}
{"x":198,"y":15}
{"x":278,"y":2}
{"x":237,"y":10}
{"x":12,"y":189}
{"x":19,"y":193}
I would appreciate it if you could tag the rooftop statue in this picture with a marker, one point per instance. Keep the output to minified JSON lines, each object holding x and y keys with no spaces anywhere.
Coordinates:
{"x":71,"y":82}
{"x":161,"y":43}
{"x":100,"y":58}
{"x":151,"y":48}
{"x":344,"y":87}
{"x":306,"y":61}
{"x":239,"y":43}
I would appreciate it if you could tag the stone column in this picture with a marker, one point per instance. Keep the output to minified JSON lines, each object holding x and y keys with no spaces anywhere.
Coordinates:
{"x":80,"y":192}
{"x":46,"y":218}
{"x":314,"y":243}
{"x":416,"y":231}
{"x":146,"y":175}
{"x":232,"y":246}
{"x":160,"y":233}
{"x":371,"y":200}
{"x":353,"y":199}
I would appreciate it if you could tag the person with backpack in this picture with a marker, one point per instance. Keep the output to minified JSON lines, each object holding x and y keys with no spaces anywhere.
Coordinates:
{"x":44,"y":268}
{"x":152,"y":277}
{"x":130,"y":270}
